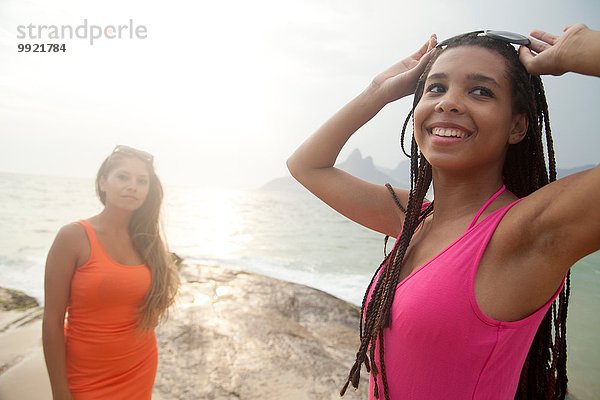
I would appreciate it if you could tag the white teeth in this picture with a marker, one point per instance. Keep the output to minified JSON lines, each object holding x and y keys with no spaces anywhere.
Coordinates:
{"x":448,"y":132}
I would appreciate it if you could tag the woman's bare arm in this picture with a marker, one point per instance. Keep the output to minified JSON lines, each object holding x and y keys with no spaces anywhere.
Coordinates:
{"x":62,"y":260}
{"x":551,"y":229}
{"x":567,"y":217}
{"x":312,"y":164}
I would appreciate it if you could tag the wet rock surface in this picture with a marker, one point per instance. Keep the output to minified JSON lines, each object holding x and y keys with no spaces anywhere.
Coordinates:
{"x":235,"y":335}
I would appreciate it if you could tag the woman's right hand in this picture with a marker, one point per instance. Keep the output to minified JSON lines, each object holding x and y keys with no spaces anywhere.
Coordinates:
{"x":312,"y":164}
{"x":400,"y":80}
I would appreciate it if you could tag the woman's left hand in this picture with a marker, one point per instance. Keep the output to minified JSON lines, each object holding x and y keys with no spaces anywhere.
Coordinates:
{"x":576,"y":50}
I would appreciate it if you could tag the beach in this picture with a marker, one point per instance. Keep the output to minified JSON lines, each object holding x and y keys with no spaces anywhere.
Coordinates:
{"x":232,"y":334}
{"x":22,"y":370}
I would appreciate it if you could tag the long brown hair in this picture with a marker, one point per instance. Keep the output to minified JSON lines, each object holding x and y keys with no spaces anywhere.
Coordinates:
{"x":527,"y":167}
{"x":145,"y":233}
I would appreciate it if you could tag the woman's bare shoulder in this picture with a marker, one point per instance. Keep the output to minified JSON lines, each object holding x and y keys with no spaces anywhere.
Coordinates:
{"x":71,"y":243}
{"x":70,"y":232}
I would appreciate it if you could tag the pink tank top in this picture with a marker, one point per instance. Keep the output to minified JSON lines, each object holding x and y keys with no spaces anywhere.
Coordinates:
{"x":440,"y":345}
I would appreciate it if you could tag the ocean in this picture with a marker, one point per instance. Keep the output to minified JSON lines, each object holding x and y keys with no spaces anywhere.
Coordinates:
{"x":288,"y":235}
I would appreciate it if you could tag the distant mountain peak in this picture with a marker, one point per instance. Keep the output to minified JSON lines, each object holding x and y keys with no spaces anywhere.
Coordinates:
{"x":355,"y":164}
{"x":364,"y":168}
{"x":355,"y":154}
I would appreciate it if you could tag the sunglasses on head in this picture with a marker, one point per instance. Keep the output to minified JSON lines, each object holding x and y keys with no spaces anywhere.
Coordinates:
{"x":508,"y":37}
{"x":126,"y":150}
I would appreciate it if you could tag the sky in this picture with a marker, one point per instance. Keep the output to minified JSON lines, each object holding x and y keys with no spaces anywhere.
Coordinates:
{"x":222,"y":92}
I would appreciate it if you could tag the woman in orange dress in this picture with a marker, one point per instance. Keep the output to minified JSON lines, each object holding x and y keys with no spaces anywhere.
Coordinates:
{"x":113,"y":278}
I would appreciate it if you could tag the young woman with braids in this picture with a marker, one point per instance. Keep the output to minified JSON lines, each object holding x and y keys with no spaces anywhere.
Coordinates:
{"x":463,"y":306}
{"x":114,"y":278}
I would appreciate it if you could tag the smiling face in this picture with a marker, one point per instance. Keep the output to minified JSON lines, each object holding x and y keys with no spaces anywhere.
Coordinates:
{"x":126,"y":184}
{"x":465,"y":120}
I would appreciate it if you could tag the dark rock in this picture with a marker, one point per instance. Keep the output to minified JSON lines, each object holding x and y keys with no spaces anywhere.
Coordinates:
{"x":11,"y":299}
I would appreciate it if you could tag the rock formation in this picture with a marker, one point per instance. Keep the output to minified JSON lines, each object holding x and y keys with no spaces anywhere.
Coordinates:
{"x":235,"y":335}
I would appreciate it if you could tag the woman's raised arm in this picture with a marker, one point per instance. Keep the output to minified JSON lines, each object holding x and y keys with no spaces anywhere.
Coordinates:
{"x":312,"y":163}
{"x":563,"y":217}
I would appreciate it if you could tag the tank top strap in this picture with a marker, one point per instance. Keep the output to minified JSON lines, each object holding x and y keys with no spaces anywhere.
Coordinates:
{"x":91,"y":235}
{"x":485,"y":205}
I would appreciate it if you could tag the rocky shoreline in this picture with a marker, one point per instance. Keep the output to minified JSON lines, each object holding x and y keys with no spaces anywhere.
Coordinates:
{"x":232,"y":335}
{"x":21,"y":356}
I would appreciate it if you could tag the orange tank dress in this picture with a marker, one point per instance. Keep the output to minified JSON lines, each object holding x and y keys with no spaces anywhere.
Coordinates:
{"x":107,"y":357}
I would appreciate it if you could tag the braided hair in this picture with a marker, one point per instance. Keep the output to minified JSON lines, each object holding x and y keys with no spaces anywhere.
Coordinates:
{"x":527,"y":167}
